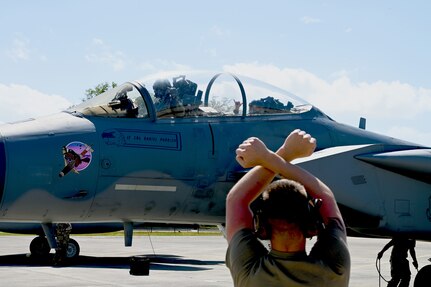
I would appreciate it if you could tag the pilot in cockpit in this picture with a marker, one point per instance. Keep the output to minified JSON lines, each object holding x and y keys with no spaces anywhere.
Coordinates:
{"x":268,"y":105}
{"x":122,"y":104}
{"x":167,"y":103}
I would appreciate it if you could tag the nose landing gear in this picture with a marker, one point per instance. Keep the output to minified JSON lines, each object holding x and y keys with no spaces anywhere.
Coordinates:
{"x":39,"y":248}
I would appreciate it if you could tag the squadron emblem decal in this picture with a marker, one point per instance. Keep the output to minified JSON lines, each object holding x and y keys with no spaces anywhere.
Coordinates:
{"x":77,"y":157}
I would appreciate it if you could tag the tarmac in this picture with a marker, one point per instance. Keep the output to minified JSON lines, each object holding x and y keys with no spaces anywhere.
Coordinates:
{"x":174,"y":261}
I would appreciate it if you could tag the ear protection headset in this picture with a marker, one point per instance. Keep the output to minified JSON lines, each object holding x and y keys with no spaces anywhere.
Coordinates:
{"x":311,"y":222}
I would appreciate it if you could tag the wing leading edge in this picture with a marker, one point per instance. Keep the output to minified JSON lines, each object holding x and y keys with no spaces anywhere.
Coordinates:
{"x":415,"y":163}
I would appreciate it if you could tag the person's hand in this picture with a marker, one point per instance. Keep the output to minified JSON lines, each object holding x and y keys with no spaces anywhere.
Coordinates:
{"x":238,"y":104}
{"x":251,"y":152}
{"x":298,"y":144}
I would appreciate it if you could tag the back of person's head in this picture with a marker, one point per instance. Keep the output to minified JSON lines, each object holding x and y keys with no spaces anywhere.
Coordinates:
{"x":286,"y":200}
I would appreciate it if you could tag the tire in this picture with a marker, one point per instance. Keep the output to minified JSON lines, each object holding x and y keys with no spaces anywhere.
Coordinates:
{"x":423,"y":278}
{"x":72,"y":249}
{"x":39,"y":247}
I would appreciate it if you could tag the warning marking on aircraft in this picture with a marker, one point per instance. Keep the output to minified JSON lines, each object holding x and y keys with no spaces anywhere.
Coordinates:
{"x":138,"y":187}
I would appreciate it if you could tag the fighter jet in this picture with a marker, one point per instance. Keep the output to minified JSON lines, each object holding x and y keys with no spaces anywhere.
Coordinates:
{"x":162,"y":150}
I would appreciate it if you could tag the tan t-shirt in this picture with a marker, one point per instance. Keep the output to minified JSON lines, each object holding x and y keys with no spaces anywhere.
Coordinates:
{"x":328,"y":263}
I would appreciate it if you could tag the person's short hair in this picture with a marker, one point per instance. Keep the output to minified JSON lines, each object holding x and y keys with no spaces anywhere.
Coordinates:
{"x":287,"y":200}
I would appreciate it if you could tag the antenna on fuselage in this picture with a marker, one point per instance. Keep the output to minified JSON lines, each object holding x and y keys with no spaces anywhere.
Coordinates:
{"x":362,"y":123}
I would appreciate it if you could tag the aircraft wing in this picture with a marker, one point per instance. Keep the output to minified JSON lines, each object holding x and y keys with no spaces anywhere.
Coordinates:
{"x":414,"y":163}
{"x":381,"y":189}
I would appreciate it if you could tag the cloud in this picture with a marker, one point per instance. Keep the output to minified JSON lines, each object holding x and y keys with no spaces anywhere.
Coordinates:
{"x":222,"y":33}
{"x":212,"y":52}
{"x":21,"y":102}
{"x":20,"y":50}
{"x":392,"y":107}
{"x":310,"y":20}
{"x":378,"y":99}
{"x":102,"y":53}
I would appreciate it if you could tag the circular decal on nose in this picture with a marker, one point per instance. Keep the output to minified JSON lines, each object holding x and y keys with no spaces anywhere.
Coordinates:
{"x":77,"y":157}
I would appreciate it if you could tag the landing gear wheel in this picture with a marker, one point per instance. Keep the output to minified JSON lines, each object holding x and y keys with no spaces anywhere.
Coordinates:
{"x":423,"y":278}
{"x":39,"y":247}
{"x":72,"y":249}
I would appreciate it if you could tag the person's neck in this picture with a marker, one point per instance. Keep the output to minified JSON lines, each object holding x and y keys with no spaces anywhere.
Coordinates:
{"x":285,"y":242}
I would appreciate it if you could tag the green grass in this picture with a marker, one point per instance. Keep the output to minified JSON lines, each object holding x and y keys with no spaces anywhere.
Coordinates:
{"x":157,"y":233}
{"x":138,"y":233}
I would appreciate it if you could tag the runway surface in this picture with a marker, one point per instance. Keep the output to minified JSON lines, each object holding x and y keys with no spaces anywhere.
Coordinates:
{"x":175,"y":261}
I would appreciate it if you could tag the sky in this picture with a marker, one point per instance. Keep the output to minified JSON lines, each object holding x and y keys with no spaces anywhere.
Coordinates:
{"x":351,"y":59}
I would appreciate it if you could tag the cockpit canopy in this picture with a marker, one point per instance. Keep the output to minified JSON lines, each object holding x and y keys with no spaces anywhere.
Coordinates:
{"x":178,"y":96}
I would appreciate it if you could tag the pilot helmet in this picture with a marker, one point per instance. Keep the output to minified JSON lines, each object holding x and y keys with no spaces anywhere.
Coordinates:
{"x":267,"y":105}
{"x":161,"y":88}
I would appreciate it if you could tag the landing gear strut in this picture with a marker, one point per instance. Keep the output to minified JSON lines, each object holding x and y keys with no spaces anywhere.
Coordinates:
{"x":62,"y":232}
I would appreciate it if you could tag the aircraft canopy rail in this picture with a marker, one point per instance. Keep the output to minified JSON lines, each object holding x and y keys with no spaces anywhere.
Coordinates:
{"x":207,"y":95}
